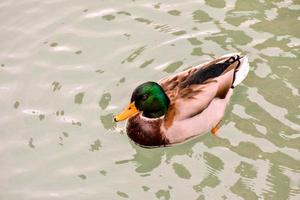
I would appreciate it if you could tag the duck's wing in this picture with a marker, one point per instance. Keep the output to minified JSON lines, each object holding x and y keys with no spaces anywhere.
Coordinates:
{"x":195,"y":88}
{"x":172,"y":82}
{"x":194,"y":98}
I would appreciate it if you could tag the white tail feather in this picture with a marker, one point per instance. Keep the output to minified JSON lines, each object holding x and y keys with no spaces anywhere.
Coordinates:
{"x":242,"y":72}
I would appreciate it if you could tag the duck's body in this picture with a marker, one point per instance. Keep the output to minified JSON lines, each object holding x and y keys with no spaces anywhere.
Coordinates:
{"x":190,"y":103}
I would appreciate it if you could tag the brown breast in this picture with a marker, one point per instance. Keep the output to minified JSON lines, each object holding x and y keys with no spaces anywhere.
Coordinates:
{"x":146,"y":132}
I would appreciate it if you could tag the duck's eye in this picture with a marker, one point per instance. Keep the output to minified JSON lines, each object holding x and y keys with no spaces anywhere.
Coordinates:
{"x":144,"y":97}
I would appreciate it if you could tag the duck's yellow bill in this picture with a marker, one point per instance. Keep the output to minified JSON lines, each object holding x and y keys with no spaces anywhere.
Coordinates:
{"x":129,"y":111}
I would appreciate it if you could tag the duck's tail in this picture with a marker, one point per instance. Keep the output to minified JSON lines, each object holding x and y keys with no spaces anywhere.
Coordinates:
{"x":241,"y":66}
{"x":242,"y":71}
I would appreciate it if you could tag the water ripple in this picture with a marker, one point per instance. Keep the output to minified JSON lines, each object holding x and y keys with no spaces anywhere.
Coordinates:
{"x":67,"y":67}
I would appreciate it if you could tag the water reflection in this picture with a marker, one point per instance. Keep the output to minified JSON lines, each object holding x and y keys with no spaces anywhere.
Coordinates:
{"x":63,"y":79}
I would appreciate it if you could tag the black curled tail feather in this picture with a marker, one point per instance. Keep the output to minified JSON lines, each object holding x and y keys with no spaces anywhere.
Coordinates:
{"x":212,"y":71}
{"x":237,"y":58}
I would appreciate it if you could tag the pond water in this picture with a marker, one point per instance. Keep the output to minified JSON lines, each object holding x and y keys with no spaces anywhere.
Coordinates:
{"x":68,"y":66}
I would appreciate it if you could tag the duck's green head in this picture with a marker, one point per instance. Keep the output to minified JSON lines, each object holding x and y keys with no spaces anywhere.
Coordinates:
{"x":148,"y":98}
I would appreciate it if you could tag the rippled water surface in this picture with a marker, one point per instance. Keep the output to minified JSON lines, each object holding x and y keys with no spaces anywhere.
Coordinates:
{"x":68,"y":66}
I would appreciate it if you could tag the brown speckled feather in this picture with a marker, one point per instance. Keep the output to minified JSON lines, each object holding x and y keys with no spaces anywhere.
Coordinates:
{"x":170,"y":83}
{"x":192,"y":99}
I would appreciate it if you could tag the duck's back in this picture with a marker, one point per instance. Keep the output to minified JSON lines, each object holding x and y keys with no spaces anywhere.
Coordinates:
{"x":212,"y":71}
{"x":192,"y":90}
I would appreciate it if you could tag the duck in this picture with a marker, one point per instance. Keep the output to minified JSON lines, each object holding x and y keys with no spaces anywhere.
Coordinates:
{"x":184,"y":105}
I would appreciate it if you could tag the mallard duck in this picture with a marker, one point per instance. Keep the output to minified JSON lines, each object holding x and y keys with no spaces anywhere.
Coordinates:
{"x":184,"y":105}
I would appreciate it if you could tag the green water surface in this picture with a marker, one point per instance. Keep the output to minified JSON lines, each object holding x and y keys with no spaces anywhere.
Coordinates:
{"x":66,"y":67}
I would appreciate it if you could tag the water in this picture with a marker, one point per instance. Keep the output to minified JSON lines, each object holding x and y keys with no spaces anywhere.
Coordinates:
{"x":68,"y":66}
